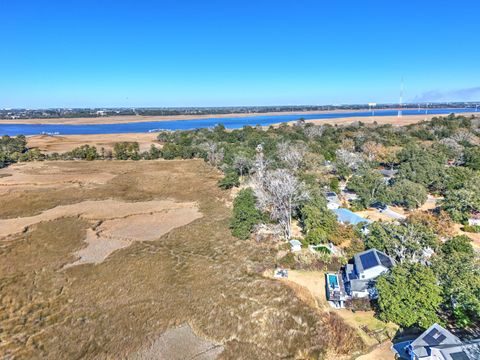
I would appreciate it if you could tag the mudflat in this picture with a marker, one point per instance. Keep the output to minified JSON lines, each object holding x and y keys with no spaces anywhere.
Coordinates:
{"x":63,"y":143}
{"x":180,"y":283}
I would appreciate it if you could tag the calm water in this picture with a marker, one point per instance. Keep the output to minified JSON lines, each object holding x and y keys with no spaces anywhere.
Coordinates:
{"x":231,"y":123}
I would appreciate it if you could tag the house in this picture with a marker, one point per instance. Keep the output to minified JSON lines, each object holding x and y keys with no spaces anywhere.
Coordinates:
{"x":295,"y":245}
{"x":333,"y":202}
{"x":474,"y":219}
{"x":437,"y":343}
{"x":346,"y":216}
{"x":359,"y":277}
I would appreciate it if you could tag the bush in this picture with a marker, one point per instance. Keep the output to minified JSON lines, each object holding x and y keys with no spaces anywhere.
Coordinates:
{"x":245,"y":214}
{"x":471,"y":228}
{"x":230,"y":180}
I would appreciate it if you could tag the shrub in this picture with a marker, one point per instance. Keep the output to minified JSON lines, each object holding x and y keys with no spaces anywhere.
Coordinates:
{"x":230,"y":180}
{"x":245,"y":214}
{"x":471,"y":228}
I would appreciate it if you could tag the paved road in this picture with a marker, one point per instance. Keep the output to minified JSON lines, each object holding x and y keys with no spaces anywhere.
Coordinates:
{"x":394,"y":215}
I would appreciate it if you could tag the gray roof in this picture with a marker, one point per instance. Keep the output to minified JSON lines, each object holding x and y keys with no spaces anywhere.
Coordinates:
{"x":372,"y":258}
{"x":434,"y":337}
{"x":358,"y":285}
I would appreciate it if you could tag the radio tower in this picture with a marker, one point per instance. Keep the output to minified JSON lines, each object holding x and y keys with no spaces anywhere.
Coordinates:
{"x":400,"y":105}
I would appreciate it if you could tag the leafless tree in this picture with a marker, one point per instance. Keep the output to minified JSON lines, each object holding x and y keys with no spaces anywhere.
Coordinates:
{"x":464,"y":135}
{"x":214,"y":153}
{"x":292,"y":154}
{"x":242,"y":164}
{"x":260,"y":165}
{"x":350,"y":159}
{"x":314,"y":131}
{"x":279,"y":193}
{"x":453,"y":146}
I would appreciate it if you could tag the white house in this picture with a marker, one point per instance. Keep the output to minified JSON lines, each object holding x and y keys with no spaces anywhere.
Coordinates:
{"x":437,"y":343}
{"x":360,"y":276}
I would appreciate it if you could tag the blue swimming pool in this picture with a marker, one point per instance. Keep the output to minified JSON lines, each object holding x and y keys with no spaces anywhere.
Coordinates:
{"x":333,"y":280}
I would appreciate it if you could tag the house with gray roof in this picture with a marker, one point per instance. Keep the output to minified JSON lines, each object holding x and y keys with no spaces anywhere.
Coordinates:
{"x":437,"y":343}
{"x":359,"y":277}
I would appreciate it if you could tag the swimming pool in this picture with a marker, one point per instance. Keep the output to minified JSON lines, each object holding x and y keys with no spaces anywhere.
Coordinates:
{"x":333,"y":280}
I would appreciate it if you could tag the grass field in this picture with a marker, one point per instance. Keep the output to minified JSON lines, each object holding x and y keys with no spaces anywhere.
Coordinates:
{"x":195,"y":274}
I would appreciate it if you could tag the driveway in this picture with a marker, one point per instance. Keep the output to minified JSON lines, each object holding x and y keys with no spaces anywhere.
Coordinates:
{"x":394,"y":215}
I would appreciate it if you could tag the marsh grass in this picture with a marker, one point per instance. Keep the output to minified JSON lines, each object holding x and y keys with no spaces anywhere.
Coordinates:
{"x":197,"y":274}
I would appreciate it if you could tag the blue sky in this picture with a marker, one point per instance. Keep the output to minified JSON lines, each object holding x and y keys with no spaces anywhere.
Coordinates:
{"x":215,"y":53}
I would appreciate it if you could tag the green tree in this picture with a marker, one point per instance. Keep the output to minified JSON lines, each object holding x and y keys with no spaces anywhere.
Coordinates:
{"x":318,"y":222}
{"x":404,"y":242}
{"x":245,"y":214}
{"x":460,"y":203}
{"x":457,"y":268}
{"x":408,"y":194}
{"x":126,"y":151}
{"x":472,"y":157}
{"x":409,"y":296}
{"x":370,"y":187}
{"x":422,"y":166}
{"x":230,"y":180}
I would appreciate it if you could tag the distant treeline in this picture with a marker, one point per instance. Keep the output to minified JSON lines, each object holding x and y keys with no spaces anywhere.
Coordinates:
{"x":102,"y":112}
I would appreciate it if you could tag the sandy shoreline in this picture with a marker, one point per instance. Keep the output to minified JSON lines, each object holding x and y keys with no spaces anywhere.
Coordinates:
{"x":133,"y":119}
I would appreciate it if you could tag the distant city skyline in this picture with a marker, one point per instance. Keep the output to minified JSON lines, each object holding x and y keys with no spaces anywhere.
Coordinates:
{"x":57,"y":54}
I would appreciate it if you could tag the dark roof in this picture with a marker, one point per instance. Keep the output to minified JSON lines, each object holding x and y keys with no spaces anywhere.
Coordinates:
{"x":459,"y":356}
{"x":434,"y":337}
{"x":369,"y":260}
{"x":385,"y":260}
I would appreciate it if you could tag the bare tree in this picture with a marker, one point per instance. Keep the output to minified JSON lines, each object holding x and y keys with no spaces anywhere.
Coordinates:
{"x":260,"y":165}
{"x":242,"y":164}
{"x":464,"y":135}
{"x":314,"y":131}
{"x":350,"y":159}
{"x":292,"y":154}
{"x":454,"y":147}
{"x":214,"y":153}
{"x":279,"y":193}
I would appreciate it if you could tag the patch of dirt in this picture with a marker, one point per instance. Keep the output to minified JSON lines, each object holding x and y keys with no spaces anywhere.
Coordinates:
{"x":382,"y":352}
{"x":374,"y":215}
{"x":179,"y":344}
{"x":158,"y":217}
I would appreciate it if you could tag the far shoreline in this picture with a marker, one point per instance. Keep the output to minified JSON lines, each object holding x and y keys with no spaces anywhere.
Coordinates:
{"x":123,"y":119}
{"x":63,"y":143}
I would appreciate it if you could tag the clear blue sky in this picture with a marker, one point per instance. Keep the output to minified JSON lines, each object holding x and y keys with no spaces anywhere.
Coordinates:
{"x":95,"y":53}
